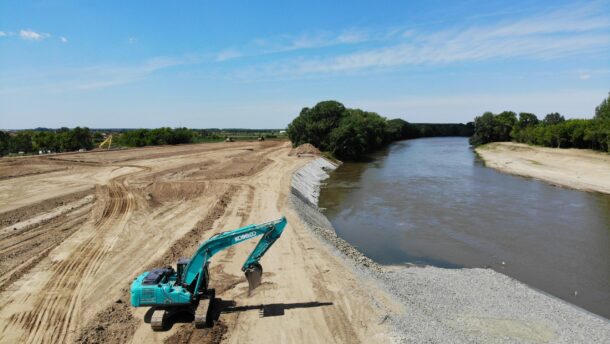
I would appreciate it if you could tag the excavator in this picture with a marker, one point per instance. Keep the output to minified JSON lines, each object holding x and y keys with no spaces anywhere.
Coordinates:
{"x":107,"y":141}
{"x":186,"y":288}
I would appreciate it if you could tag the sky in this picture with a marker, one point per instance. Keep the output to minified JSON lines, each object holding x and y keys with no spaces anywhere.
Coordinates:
{"x":255,"y":64}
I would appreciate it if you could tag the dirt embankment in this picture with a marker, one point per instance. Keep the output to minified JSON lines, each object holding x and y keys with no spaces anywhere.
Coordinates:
{"x":87,"y":224}
{"x":579,"y":169}
{"x":116,"y":323}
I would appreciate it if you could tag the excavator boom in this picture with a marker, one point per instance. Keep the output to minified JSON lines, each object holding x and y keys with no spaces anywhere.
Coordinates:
{"x":107,"y":142}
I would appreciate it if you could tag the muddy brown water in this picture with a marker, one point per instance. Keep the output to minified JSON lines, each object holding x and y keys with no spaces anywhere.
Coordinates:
{"x":432,"y":201}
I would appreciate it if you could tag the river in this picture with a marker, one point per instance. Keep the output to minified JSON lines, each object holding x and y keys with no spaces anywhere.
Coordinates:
{"x":432,"y":201}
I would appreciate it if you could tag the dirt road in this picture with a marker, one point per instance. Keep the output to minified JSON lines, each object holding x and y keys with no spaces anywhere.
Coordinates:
{"x":75,"y":229}
{"x":579,"y":169}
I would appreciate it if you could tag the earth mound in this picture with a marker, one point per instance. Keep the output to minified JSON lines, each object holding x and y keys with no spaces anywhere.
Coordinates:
{"x":305,"y":149}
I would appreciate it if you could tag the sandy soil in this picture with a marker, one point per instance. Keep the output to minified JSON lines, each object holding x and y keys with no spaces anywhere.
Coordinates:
{"x":574,"y":168}
{"x":75,"y":229}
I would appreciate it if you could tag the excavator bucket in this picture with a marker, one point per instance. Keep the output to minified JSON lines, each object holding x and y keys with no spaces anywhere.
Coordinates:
{"x":254,"y":275}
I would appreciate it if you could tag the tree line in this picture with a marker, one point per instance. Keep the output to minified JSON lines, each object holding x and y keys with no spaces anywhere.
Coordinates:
{"x":552,"y":131}
{"x":155,"y":137}
{"x":66,"y":140}
{"x":47,"y":141}
{"x":44,"y":140}
{"x":350,"y":134}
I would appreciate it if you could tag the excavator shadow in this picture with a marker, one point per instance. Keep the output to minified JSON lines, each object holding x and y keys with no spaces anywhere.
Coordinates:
{"x":221,"y":306}
{"x":264,"y":310}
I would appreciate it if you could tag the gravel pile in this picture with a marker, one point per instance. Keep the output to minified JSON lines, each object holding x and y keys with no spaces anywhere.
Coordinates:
{"x":452,"y":305}
{"x":484,"y":306}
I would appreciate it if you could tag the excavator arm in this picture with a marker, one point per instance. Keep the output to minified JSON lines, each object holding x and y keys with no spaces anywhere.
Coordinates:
{"x":270,"y":232}
{"x":107,"y":141}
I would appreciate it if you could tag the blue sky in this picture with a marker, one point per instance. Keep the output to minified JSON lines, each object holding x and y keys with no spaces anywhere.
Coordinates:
{"x":254,"y":64}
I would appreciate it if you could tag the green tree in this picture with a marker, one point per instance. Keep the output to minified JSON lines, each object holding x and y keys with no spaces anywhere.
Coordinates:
{"x":484,"y":129}
{"x":315,"y":125}
{"x":553,"y":131}
{"x":503,"y":125}
{"x":22,"y":142}
{"x":183,"y":135}
{"x":553,"y":118}
{"x":77,"y":138}
{"x":399,"y":129}
{"x":45,"y":141}
{"x":133,"y":138}
{"x":158,"y":136}
{"x":527,"y":119}
{"x":359,"y":132}
{"x":4,"y":143}
{"x":63,"y":138}
{"x":350,"y":134}
{"x":602,"y":112}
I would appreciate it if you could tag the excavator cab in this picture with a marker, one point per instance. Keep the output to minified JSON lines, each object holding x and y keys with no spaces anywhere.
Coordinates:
{"x":157,"y":276}
{"x":180,"y":267}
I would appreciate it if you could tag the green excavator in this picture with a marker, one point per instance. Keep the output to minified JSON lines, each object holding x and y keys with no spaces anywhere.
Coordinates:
{"x":186,"y":288}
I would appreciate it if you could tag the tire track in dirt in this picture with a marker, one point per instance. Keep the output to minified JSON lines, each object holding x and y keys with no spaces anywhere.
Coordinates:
{"x":54,"y":313}
{"x":221,"y":282}
{"x":14,"y":216}
{"x":20,"y":253}
{"x":116,"y":323}
{"x":55,"y":310}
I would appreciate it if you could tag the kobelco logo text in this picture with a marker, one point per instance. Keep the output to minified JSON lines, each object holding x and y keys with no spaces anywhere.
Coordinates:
{"x":245,"y":236}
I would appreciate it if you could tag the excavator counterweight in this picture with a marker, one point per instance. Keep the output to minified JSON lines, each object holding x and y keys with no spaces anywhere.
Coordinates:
{"x":186,"y":287}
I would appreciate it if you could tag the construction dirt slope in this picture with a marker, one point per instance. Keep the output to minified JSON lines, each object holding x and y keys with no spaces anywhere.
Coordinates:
{"x":75,"y":229}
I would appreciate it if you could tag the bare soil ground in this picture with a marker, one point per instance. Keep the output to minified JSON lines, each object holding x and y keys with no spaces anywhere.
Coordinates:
{"x":75,"y":229}
{"x":579,"y":169}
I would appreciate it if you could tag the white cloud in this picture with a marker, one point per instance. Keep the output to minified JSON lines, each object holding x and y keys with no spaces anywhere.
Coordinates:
{"x":350,"y":37}
{"x":313,"y":41}
{"x":63,"y":39}
{"x":107,"y":76}
{"x":227,"y":55}
{"x":94,"y":77}
{"x":132,"y":40}
{"x":2,"y":34}
{"x":31,"y":35}
{"x":572,"y":30}
{"x":287,"y":43}
{"x":408,"y":33}
{"x":586,"y":74}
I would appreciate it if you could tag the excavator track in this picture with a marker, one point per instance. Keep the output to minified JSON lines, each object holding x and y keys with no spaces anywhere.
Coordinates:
{"x":203,"y":312}
{"x":157,"y":320}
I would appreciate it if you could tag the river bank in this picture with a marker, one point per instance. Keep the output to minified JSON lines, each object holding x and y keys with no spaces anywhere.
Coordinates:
{"x":579,"y":169}
{"x":456,"y":305}
{"x":88,"y":224}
